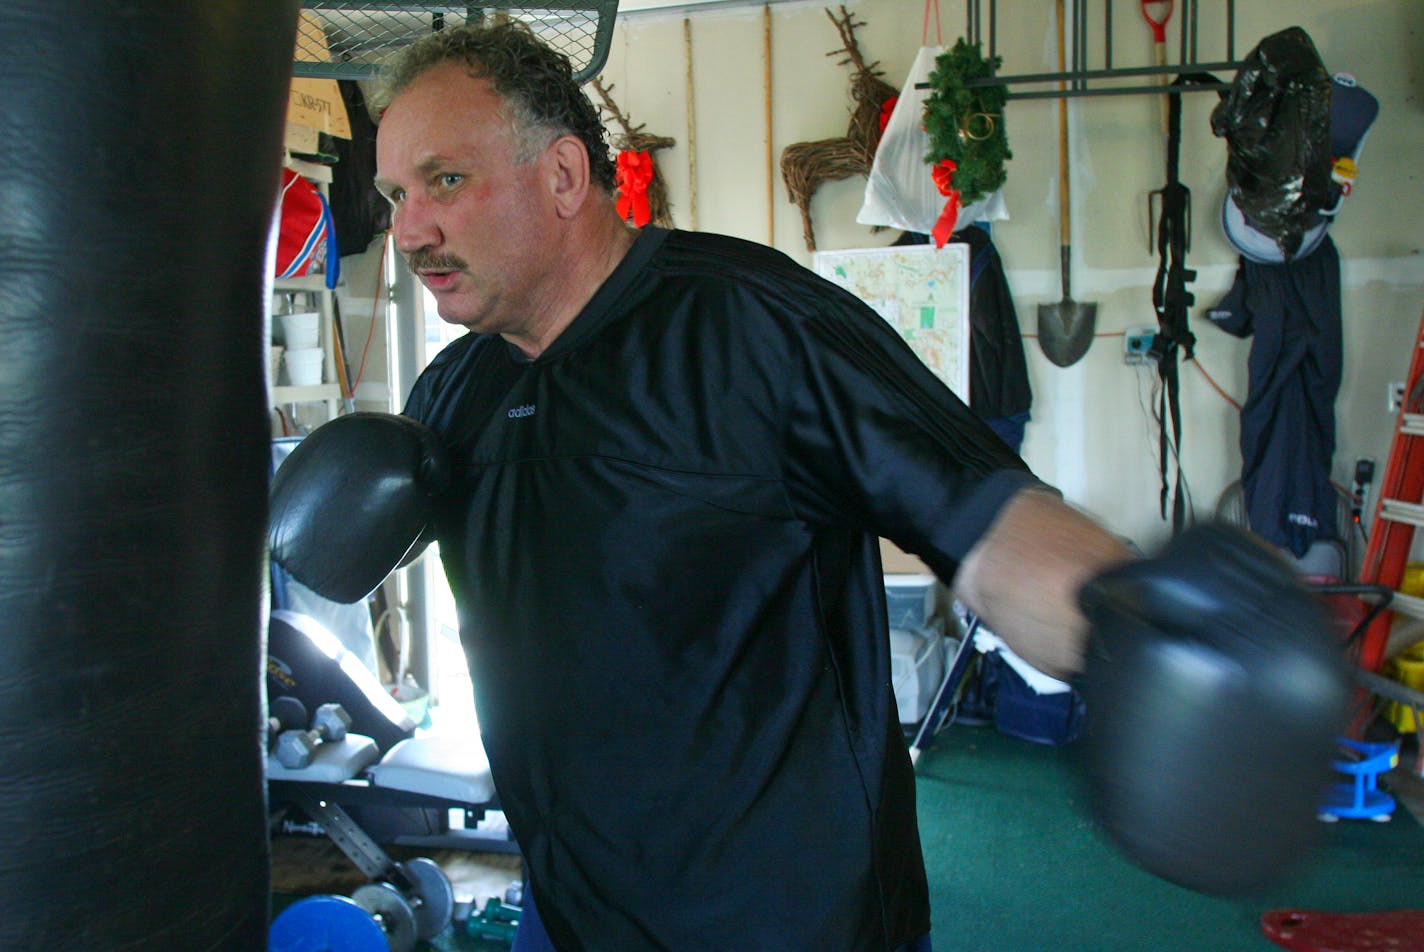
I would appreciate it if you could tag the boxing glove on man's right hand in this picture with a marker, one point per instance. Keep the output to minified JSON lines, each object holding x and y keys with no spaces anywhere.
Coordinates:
{"x":353,"y":499}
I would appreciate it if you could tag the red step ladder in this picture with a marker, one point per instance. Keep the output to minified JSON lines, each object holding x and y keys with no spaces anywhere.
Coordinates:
{"x":1398,"y":511}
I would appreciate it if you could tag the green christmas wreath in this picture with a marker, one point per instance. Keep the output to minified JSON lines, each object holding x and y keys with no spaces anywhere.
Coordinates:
{"x":966,"y":124}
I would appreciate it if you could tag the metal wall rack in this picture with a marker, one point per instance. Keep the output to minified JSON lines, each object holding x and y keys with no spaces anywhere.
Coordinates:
{"x":1081,"y":79}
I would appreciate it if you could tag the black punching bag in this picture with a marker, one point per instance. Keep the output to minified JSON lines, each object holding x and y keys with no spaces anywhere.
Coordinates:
{"x":140,"y":147}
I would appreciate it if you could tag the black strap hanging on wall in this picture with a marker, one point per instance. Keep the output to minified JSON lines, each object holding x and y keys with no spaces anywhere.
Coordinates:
{"x":1172,"y":301}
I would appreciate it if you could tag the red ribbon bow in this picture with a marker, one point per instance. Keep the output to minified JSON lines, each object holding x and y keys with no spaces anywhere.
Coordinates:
{"x":887,"y":109}
{"x":944,"y":178}
{"x":635,"y":173}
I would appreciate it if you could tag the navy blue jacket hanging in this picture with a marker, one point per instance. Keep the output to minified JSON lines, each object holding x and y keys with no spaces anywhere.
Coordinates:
{"x":1288,"y":423}
{"x":999,"y":391}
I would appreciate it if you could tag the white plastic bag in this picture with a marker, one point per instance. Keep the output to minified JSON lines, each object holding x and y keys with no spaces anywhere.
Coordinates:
{"x":900,"y":191}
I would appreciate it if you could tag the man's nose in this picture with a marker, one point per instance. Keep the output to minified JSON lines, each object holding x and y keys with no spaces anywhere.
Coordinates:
{"x":413,"y":228}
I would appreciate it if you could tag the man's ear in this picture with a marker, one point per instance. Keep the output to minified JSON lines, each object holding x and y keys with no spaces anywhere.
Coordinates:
{"x":568,"y":174}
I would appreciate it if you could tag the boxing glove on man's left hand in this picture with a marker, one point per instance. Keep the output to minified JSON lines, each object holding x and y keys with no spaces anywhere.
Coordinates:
{"x":352,"y":501}
{"x":1215,"y":691}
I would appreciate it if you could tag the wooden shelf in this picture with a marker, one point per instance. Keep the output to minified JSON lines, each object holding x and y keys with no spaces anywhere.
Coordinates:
{"x":306,"y":282}
{"x":311,"y":170}
{"x":319,"y":391}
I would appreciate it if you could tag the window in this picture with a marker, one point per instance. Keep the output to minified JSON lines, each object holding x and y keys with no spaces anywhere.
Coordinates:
{"x":449,"y":675}
{"x":429,"y":629}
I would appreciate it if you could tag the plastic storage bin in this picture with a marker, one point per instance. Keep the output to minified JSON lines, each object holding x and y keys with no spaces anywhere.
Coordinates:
{"x":909,"y":600}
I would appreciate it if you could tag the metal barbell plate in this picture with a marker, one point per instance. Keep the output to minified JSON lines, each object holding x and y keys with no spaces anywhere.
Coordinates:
{"x":325,"y":924}
{"x":385,"y":903}
{"x":434,"y":899}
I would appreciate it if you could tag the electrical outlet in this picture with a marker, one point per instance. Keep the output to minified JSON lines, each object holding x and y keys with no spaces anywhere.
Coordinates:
{"x":1364,"y":470}
{"x":1137,"y":345}
{"x":1395,"y":395}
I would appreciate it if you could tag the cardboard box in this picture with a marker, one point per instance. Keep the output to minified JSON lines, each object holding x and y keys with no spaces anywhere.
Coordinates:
{"x":316,"y":103}
{"x":303,"y":140}
{"x":895,"y":561}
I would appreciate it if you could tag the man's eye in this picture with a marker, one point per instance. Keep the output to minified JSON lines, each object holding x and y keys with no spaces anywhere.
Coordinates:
{"x":451,"y":179}
{"x":396,"y":196}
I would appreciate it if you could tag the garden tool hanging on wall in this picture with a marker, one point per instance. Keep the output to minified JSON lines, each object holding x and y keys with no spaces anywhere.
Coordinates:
{"x":1157,"y":13}
{"x":1065,"y":329}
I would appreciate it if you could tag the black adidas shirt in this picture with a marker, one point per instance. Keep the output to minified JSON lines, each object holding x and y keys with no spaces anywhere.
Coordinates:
{"x":663,"y":549}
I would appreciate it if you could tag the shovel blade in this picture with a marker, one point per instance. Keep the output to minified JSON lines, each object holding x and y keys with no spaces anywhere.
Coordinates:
{"x":1065,"y":330}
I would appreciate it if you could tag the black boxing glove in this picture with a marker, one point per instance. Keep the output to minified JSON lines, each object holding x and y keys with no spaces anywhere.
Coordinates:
{"x":1215,"y":693}
{"x":353,"y":500}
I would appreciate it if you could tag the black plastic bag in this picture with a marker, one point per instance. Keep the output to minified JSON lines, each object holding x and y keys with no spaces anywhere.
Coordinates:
{"x":360,"y":211}
{"x":1276,"y":122}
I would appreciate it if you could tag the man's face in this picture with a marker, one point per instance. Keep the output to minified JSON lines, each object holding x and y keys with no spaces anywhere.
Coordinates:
{"x":472,"y":223}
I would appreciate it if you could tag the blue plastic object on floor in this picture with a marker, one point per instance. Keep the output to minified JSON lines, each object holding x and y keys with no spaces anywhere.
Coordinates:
{"x":319,"y":923}
{"x":1360,"y":798}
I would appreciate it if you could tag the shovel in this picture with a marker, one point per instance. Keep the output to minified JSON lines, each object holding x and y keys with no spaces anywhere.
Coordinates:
{"x":1065,"y":329}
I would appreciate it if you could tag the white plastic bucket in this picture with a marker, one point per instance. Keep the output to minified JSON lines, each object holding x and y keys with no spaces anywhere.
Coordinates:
{"x":301,"y":330}
{"x":303,"y":365}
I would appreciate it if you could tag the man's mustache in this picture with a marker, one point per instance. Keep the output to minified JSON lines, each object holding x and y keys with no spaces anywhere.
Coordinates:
{"x":428,"y":261}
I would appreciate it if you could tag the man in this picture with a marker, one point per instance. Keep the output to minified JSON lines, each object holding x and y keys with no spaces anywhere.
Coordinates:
{"x":671,"y":456}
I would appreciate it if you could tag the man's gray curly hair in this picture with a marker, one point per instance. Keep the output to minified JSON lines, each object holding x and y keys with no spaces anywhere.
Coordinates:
{"x":536,"y":82}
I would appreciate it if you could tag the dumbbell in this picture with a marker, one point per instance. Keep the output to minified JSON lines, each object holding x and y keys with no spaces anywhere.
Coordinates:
{"x":380,"y":916}
{"x":296,"y":748}
{"x":284,"y":713}
{"x":497,"y":922}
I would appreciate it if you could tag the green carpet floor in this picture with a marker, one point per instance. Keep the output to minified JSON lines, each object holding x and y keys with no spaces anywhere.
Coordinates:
{"x":1015,"y":864}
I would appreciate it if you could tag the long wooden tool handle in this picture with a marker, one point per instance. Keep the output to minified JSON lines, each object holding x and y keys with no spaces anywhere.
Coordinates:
{"x":770,"y":156}
{"x":691,"y":126}
{"x":1064,"y":198}
{"x":1160,"y":49}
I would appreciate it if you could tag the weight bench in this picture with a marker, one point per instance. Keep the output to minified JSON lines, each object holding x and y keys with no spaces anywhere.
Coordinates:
{"x":406,"y":902}
{"x":380,"y":762}
{"x":434,"y":773}
{"x":340,"y":771}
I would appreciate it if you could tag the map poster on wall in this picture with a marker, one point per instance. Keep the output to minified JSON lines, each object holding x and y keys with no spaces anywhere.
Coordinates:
{"x":922,"y":291}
